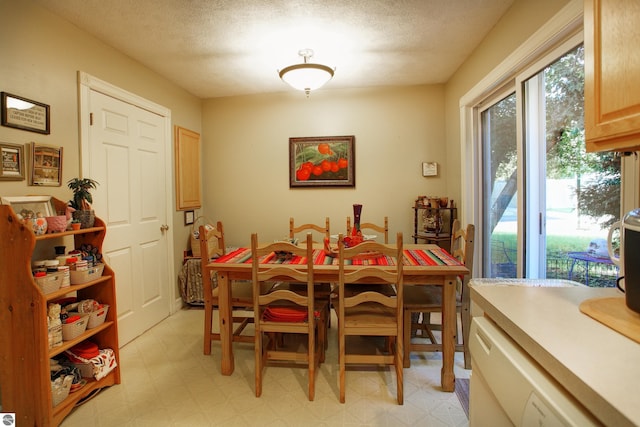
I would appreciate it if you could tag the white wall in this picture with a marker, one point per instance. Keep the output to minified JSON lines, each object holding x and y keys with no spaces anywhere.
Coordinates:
{"x":521,"y":21}
{"x":246,"y":157}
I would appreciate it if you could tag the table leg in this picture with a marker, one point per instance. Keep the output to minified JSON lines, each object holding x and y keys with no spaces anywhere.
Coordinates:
{"x":226,"y":323}
{"x":448,"y":333}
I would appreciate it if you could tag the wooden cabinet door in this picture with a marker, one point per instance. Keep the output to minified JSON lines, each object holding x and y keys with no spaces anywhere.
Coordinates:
{"x":187,"y":157}
{"x":612,"y":75}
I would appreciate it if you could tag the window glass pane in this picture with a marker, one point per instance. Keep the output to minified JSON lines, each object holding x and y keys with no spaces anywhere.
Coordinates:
{"x":582,"y":189}
{"x":500,"y":188}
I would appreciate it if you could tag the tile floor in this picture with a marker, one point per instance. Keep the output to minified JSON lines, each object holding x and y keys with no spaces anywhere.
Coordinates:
{"x":167,"y":381}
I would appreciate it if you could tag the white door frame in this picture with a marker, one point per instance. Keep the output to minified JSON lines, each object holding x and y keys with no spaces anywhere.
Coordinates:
{"x":86,"y":83}
{"x":566,"y":23}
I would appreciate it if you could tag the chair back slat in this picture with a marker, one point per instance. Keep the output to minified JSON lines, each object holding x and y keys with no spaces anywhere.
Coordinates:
{"x":384,"y":229}
{"x":323,"y":230}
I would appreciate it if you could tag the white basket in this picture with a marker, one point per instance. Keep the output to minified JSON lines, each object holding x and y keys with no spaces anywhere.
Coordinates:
{"x":50,"y":282}
{"x":97,"y":318}
{"x":75,"y":329}
{"x":58,"y":394}
{"x":84,"y":276}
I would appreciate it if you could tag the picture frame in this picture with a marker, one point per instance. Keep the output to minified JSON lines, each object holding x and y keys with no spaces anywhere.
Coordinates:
{"x":12,"y":164}
{"x":429,"y":169}
{"x":25,"y":114}
{"x":189,"y":217}
{"x":325,"y":161}
{"x":46,"y":165}
{"x":33,"y":204}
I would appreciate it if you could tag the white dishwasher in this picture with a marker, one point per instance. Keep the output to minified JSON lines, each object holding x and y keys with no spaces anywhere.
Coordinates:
{"x":509,"y":388}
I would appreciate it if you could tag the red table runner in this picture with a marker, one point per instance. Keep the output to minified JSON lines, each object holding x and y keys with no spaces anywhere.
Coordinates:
{"x":436,"y":256}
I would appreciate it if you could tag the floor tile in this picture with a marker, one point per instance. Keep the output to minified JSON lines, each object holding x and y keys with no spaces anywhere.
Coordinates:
{"x":168,"y":381}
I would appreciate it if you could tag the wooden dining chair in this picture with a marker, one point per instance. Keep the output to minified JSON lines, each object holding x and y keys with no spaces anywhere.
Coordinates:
{"x":382,"y":229}
{"x":322,"y":291}
{"x":284,"y":311}
{"x":420,"y":301}
{"x":212,"y":244}
{"x":370,"y":313}
{"x":316,"y":229}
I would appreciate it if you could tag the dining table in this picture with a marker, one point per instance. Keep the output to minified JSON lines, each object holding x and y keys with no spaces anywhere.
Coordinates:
{"x":424,"y":265}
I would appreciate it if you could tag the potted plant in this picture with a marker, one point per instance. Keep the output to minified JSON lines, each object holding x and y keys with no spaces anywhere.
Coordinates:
{"x":82,"y":200}
{"x":75,"y":224}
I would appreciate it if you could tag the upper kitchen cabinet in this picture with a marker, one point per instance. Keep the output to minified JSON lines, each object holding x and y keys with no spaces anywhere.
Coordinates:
{"x":612,"y":75}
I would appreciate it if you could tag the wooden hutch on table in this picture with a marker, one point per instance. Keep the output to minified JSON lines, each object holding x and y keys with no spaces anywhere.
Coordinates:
{"x":25,"y":384}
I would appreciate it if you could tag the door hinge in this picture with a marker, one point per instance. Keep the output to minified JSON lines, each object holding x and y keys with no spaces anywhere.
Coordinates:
{"x":90,"y":119}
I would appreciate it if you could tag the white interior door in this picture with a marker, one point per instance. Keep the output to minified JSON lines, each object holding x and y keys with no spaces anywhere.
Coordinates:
{"x":127,"y":157}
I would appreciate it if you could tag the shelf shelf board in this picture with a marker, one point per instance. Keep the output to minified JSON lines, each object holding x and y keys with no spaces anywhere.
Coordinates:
{"x":69,"y":233}
{"x":66,"y":345}
{"x":73,"y":288}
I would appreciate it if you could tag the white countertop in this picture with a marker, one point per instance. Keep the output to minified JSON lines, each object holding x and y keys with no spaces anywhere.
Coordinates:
{"x":597,"y":365}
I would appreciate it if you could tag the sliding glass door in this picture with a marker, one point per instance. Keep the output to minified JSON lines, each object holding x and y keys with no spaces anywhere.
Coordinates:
{"x":547,"y":204}
{"x":499,"y":185}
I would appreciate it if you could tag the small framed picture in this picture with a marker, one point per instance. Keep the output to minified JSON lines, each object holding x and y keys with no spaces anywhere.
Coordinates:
{"x":188,"y":217}
{"x":25,"y":114}
{"x":429,"y":169}
{"x":12,"y":165}
{"x":46,"y":165}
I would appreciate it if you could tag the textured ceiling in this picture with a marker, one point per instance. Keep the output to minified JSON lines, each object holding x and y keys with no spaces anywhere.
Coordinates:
{"x":235,"y":47}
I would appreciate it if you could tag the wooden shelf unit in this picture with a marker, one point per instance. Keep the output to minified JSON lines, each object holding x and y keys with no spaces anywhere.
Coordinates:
{"x":420,"y":234}
{"x":24,"y":354}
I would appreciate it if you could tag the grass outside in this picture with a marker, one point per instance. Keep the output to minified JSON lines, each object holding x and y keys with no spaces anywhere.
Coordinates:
{"x":558,"y":263}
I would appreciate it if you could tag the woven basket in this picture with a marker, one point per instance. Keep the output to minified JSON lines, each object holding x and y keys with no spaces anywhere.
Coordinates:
{"x":83,"y":276}
{"x":75,"y":329}
{"x":58,"y":394}
{"x":97,"y":318}
{"x":195,"y":234}
{"x":50,"y":283}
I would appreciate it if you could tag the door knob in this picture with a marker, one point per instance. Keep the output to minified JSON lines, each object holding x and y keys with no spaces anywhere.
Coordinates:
{"x":164,"y":227}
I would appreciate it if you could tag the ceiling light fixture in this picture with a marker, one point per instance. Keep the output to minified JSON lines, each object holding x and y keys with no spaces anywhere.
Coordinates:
{"x":306,"y":76}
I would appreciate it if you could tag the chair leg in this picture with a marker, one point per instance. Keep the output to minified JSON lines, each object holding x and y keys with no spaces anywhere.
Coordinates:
{"x":399,"y":371}
{"x":407,"y":338}
{"x":341,"y":357}
{"x":322,"y":341}
{"x":208,"y":318}
{"x":466,"y":325}
{"x":258,"y":362}
{"x":311,"y":361}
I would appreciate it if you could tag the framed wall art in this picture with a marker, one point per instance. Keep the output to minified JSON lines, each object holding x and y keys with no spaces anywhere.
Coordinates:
{"x":25,"y":114}
{"x":30,"y":205}
{"x":326,"y":161}
{"x":12,"y":165}
{"x":46,"y":165}
{"x":189,"y":217}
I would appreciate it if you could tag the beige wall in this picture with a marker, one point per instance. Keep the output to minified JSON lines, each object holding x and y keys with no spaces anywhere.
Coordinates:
{"x":246,"y":157}
{"x":245,"y":139}
{"x":523,"y":19}
{"x":40,"y":55}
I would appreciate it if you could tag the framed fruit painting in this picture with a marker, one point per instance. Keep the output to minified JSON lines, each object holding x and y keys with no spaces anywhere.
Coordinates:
{"x":324,"y":161}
